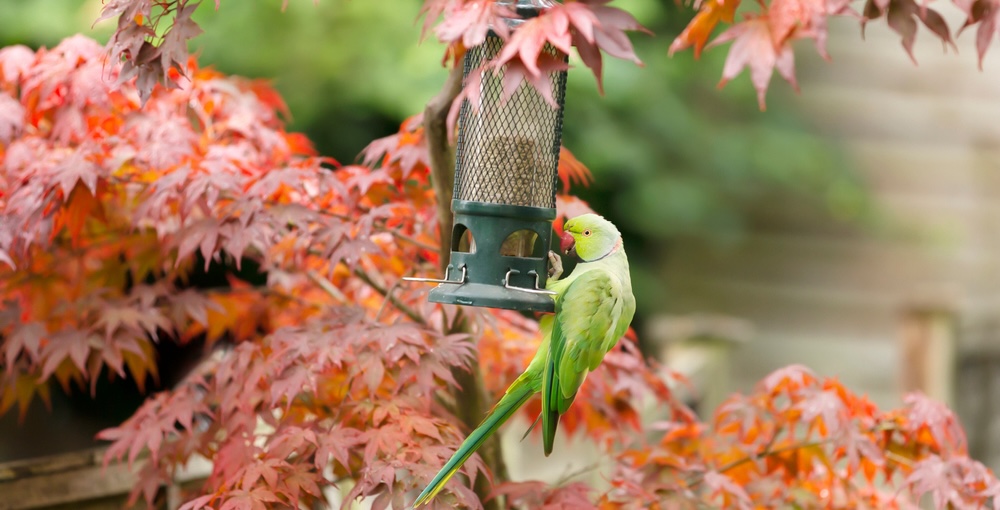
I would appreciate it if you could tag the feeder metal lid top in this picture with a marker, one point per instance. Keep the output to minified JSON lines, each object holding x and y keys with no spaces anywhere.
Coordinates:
{"x":524,"y":9}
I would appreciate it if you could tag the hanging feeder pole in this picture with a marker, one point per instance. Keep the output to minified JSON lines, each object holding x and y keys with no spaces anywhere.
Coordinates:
{"x":506,"y":177}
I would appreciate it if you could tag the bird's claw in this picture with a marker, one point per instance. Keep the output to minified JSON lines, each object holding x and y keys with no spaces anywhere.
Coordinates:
{"x":555,"y":266}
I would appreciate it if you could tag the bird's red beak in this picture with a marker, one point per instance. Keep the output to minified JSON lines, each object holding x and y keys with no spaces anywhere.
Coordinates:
{"x":567,"y":243}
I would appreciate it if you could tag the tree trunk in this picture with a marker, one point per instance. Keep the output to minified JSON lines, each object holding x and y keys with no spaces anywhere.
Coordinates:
{"x":470,"y":397}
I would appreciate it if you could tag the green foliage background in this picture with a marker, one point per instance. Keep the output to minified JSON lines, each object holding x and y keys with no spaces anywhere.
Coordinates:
{"x":675,"y":158}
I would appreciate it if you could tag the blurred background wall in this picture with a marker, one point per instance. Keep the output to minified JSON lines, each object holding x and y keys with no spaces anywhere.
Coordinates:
{"x":851,"y":228}
{"x":909,"y":301}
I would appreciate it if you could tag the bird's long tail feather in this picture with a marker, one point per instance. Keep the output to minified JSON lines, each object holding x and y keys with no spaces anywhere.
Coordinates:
{"x":518,"y":393}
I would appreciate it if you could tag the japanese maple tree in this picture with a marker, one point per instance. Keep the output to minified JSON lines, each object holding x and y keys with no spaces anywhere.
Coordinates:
{"x":126,"y":169}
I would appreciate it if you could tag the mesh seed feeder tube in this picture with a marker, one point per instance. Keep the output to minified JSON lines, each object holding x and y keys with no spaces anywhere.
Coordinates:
{"x":505,"y":185}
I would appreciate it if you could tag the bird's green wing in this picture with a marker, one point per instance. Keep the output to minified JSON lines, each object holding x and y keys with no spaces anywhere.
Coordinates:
{"x":587,"y":314}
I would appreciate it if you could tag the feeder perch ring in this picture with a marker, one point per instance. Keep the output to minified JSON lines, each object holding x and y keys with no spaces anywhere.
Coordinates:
{"x":536,"y":290}
{"x":436,"y":280}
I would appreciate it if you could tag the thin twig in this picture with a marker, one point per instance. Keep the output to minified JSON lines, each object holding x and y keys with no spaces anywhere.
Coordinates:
{"x":774,"y":438}
{"x":388,"y":295}
{"x":580,"y":471}
{"x":697,"y":479}
{"x":327,"y":287}
{"x":402,"y":307}
{"x":770,"y":453}
{"x":898,"y":459}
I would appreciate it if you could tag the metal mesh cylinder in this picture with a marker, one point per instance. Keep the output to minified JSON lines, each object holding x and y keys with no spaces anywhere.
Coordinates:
{"x":508,"y":151}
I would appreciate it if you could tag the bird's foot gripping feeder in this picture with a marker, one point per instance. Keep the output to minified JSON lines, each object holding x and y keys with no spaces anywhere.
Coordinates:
{"x":505,"y":184}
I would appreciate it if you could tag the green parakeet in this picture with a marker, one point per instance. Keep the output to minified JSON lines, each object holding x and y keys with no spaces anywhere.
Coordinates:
{"x":593,"y":309}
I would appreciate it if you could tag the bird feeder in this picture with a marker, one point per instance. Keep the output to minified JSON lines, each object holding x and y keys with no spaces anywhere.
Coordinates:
{"x":505,"y":184}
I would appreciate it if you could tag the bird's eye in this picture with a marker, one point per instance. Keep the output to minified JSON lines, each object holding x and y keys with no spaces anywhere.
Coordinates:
{"x":586,"y":233}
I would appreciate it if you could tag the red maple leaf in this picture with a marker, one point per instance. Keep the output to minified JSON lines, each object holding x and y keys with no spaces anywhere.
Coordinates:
{"x":987,"y":14}
{"x":902,"y":16}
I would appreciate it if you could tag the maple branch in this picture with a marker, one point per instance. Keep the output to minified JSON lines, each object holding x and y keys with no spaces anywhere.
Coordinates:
{"x":317,"y":208}
{"x":470,"y":395}
{"x":441,"y":156}
{"x":333,"y":291}
{"x":392,"y":231}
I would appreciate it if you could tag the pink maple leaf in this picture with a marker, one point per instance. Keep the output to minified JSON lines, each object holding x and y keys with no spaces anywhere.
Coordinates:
{"x":753,"y":47}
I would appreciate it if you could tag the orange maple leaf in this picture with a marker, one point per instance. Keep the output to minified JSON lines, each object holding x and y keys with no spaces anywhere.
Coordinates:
{"x":80,"y":206}
{"x":697,"y":32}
